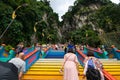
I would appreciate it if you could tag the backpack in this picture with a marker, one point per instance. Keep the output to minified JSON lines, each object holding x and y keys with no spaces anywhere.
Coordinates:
{"x":92,"y":73}
{"x":90,"y":64}
{"x":8,"y":71}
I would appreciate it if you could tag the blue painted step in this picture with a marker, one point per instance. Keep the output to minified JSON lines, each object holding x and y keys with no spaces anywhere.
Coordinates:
{"x":55,"y":54}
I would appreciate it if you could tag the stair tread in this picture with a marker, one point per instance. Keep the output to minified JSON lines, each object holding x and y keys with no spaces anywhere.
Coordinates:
{"x":47,"y":78}
{"x":49,"y":64}
{"x":58,"y":73}
{"x":59,"y":69}
{"x":48,"y":69}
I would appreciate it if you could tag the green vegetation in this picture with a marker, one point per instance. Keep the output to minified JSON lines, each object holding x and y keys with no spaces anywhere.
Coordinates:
{"x":87,"y":17}
{"x":81,"y":23}
{"x":21,"y":30}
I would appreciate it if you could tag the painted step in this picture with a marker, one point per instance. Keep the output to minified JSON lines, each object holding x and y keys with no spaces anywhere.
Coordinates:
{"x":48,"y":69}
{"x":45,"y":78}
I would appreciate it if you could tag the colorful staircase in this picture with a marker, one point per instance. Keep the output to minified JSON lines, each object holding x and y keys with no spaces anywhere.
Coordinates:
{"x":48,"y":69}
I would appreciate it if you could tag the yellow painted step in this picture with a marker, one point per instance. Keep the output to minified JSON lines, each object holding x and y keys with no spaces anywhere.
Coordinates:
{"x":59,"y":64}
{"x":118,"y":63}
{"x":39,"y":77}
{"x":81,"y":70}
{"x":42,"y":78}
{"x":45,"y":78}
{"x":48,"y":69}
{"x":112,"y":70}
{"x":57,"y":73}
{"x":112,"y":67}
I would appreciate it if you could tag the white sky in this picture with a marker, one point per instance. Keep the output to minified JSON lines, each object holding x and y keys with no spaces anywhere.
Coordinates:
{"x":61,"y":6}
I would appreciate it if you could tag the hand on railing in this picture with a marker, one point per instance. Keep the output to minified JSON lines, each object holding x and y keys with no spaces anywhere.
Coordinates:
{"x":83,"y":77}
{"x":61,"y":70}
{"x":118,"y":50}
{"x":79,"y":73}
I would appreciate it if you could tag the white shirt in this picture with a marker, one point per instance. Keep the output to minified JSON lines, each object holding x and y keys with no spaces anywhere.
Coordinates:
{"x":19,"y":63}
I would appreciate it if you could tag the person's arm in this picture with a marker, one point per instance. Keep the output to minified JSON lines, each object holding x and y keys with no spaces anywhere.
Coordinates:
{"x":85,"y":69}
{"x":63,"y":64}
{"x":20,"y":75}
{"x":86,"y":58}
{"x":22,"y":70}
{"x":77,"y":64}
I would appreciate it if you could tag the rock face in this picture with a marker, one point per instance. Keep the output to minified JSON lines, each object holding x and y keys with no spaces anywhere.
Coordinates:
{"x":78,"y":15}
{"x":80,"y":19}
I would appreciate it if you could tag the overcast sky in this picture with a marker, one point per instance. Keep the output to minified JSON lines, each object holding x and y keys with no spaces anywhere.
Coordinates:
{"x":61,"y":6}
